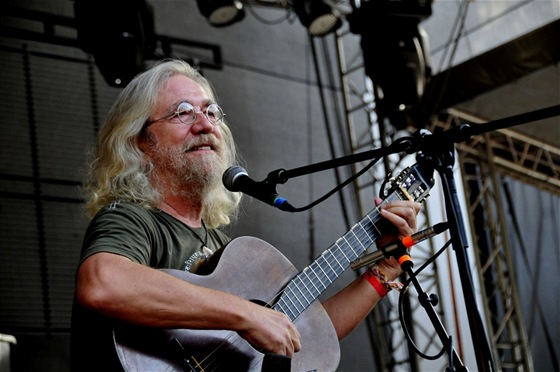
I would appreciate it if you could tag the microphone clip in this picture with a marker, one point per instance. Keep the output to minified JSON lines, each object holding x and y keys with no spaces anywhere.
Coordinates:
{"x":276,"y":177}
{"x":398,"y":249}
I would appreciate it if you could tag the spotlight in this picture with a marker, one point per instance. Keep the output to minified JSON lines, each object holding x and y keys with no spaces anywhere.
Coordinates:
{"x":221,"y":13}
{"x":119,"y":34}
{"x":396,"y":55}
{"x":317,"y":16}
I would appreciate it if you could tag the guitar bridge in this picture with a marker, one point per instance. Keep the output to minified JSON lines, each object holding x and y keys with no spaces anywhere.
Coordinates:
{"x":179,"y":352}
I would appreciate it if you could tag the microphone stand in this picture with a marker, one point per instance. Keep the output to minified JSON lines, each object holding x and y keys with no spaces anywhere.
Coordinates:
{"x":428,"y":302}
{"x":438,"y":149}
{"x":443,"y":158}
{"x":411,"y":144}
{"x":281,"y":176}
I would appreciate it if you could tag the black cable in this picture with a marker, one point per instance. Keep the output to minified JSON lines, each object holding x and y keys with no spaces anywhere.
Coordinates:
{"x":338,"y":187}
{"x":406,"y":283}
{"x":266,"y":21}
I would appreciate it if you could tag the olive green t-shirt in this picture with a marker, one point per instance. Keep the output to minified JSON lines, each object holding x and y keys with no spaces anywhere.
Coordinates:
{"x":149,"y":237}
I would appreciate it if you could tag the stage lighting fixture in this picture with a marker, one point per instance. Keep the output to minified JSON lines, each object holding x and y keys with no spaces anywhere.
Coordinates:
{"x":221,"y":13}
{"x":317,"y":16}
{"x":119,"y":34}
{"x":396,"y":55}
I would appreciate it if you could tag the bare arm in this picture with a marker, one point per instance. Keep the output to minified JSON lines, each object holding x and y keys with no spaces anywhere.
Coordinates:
{"x":351,"y":305}
{"x":119,"y":288}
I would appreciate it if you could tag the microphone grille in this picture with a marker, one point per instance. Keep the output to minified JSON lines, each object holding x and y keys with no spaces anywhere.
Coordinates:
{"x":231,"y":174}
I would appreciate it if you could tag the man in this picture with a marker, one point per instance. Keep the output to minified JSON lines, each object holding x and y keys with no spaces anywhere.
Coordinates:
{"x":154,"y":191}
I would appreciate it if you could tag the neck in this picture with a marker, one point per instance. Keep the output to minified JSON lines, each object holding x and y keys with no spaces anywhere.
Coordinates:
{"x":186,"y":207}
{"x":185,"y":211}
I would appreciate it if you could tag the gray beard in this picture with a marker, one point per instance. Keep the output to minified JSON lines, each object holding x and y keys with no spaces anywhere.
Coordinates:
{"x":190,"y":178}
{"x":198,"y":177}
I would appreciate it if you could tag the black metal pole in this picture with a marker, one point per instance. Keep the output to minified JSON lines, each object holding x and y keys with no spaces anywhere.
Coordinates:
{"x":442,"y":158}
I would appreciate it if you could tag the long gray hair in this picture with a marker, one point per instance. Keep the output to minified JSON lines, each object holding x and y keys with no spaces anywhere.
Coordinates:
{"x":119,"y":170}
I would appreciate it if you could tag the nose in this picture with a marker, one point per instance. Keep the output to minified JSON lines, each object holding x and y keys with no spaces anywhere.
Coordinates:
{"x":201,"y":123}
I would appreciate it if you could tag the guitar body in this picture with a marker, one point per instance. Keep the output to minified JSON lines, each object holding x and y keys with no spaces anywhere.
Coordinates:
{"x":249,"y":268}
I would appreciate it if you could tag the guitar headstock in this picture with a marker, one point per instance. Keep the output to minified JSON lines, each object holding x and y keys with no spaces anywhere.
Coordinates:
{"x":412,"y":183}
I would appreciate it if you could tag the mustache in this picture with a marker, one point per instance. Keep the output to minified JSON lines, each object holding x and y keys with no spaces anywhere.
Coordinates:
{"x":203,"y":140}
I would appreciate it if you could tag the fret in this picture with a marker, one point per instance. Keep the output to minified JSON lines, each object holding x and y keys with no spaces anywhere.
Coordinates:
{"x":290,"y":301}
{"x":327,"y":262}
{"x":373,"y":225}
{"x":330,"y":273}
{"x":311,"y":281}
{"x":319,"y":282}
{"x":341,"y":258}
{"x":318,"y":277}
{"x":291,"y":308}
{"x":316,"y":263}
{"x":300,"y":290}
{"x":286,"y":309}
{"x":359,"y":241}
{"x":337,"y":261}
{"x":366,"y":238}
{"x":349,"y":245}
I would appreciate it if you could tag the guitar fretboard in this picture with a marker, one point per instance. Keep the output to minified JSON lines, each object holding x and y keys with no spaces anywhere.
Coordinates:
{"x":310,"y":283}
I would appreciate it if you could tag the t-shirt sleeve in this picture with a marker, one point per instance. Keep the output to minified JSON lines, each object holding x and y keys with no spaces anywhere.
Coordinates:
{"x":121,"y":229}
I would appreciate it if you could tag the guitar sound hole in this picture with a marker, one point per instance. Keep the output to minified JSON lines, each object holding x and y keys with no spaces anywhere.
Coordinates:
{"x":215,"y":354}
{"x":262,"y":303}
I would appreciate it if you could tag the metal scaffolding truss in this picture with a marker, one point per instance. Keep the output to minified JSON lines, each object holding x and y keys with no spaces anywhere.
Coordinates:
{"x":512,"y":153}
{"x":505,"y":152}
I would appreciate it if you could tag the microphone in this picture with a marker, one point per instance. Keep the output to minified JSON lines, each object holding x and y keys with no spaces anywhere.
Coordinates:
{"x":406,"y":242}
{"x":235,"y":178}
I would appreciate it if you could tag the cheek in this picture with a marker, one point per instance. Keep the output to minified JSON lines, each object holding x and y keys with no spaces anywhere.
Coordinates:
{"x":223,"y":138}
{"x":218,"y":133}
{"x":165,"y":138}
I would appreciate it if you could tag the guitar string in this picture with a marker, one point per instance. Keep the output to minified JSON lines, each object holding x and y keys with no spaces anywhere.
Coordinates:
{"x":209,"y":360}
{"x":364,"y":231}
{"x":360,"y":235}
{"x":334,"y":259}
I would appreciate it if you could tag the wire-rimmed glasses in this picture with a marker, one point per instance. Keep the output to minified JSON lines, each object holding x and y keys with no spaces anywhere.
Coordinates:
{"x":187,"y":114}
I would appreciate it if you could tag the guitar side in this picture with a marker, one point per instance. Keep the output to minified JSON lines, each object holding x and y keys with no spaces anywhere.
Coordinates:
{"x":249,"y":268}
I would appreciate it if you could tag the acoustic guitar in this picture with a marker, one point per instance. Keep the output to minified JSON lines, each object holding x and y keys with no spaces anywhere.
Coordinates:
{"x":252,"y":269}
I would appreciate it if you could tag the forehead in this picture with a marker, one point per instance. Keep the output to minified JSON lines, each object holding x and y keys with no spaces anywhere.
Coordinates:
{"x":181,"y":88}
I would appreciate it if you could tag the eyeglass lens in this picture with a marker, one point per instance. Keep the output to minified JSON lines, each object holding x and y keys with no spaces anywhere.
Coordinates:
{"x":187,"y":113}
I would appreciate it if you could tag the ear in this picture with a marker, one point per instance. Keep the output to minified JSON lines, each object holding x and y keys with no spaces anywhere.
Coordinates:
{"x":142,"y":141}
{"x":145,"y":140}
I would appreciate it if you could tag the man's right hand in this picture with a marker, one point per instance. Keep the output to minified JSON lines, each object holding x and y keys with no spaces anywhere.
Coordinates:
{"x":272,"y":331}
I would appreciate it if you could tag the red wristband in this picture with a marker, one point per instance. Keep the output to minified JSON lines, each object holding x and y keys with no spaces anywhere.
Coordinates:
{"x":375,"y":283}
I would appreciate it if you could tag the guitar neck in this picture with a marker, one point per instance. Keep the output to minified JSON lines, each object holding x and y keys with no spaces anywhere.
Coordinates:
{"x":310,"y":283}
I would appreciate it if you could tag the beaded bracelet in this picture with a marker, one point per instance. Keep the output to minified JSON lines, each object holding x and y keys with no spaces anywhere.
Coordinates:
{"x":383,"y":279}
